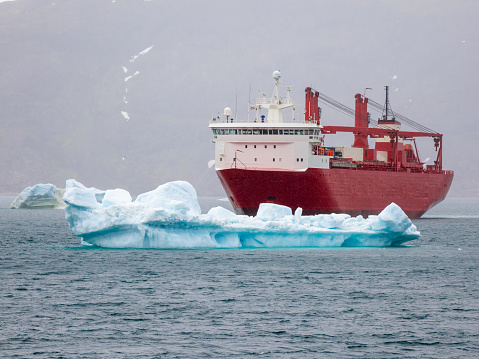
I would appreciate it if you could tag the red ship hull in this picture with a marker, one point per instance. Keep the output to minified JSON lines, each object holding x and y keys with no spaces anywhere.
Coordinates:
{"x":319,"y":191}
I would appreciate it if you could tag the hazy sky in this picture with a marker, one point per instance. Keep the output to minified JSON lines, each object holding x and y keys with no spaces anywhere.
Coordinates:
{"x":77,"y":103}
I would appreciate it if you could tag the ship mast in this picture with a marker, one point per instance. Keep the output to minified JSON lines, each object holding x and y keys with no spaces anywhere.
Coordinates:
{"x":275,"y":104}
{"x":387,"y":108}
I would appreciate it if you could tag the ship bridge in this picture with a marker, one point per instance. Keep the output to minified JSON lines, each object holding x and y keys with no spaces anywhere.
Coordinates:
{"x":268,"y":142}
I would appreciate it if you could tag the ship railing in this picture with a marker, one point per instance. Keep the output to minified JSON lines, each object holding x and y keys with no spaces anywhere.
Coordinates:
{"x":389,"y":167}
{"x":236,"y":160}
{"x":269,"y":101}
{"x":251,"y":120}
{"x":230,"y":120}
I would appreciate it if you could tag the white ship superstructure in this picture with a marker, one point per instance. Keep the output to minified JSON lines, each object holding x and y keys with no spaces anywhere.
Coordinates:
{"x":268,"y":142}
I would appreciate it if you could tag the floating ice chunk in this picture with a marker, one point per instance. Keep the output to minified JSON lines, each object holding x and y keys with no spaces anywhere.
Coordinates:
{"x":40,"y":196}
{"x":170,"y":217}
{"x":298,"y":213}
{"x":71,"y":183}
{"x":79,"y":197}
{"x":221,"y":213}
{"x":98,"y":193}
{"x":272,"y":212}
{"x":394,"y":219}
{"x":116,"y":196}
{"x":178,"y":196}
{"x":125,"y":70}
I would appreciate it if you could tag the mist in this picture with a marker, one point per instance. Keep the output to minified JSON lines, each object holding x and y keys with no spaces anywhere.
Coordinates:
{"x":120,"y":93}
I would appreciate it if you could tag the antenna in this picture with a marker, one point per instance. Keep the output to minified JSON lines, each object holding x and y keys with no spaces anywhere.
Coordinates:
{"x":249,"y":101}
{"x":236,"y":105}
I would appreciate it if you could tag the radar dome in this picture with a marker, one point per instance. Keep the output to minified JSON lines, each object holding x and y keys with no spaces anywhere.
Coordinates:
{"x":227,"y":111}
{"x":276,"y":75}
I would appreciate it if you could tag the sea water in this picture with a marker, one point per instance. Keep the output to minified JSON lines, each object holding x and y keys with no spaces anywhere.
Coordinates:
{"x":59,"y":299}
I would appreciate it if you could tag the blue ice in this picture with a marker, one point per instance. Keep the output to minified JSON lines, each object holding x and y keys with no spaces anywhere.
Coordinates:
{"x":170,"y":217}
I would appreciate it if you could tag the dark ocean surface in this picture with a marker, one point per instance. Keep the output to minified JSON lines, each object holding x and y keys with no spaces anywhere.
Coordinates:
{"x":60,"y":300}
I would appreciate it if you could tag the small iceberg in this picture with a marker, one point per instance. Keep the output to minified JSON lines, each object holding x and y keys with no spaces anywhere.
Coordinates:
{"x":170,"y":217}
{"x":40,"y":196}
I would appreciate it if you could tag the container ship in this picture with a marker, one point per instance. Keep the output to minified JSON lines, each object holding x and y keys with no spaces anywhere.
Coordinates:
{"x":289,"y":162}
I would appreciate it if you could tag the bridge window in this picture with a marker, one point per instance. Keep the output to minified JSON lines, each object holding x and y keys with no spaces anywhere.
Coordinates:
{"x":275,"y":132}
{"x":245,"y":146}
{"x":256,"y":132}
{"x":280,"y":132}
{"x":274,"y":146}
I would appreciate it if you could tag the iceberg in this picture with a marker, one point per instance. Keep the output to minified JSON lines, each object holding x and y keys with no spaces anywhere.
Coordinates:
{"x":39,"y":196}
{"x":170,"y":217}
